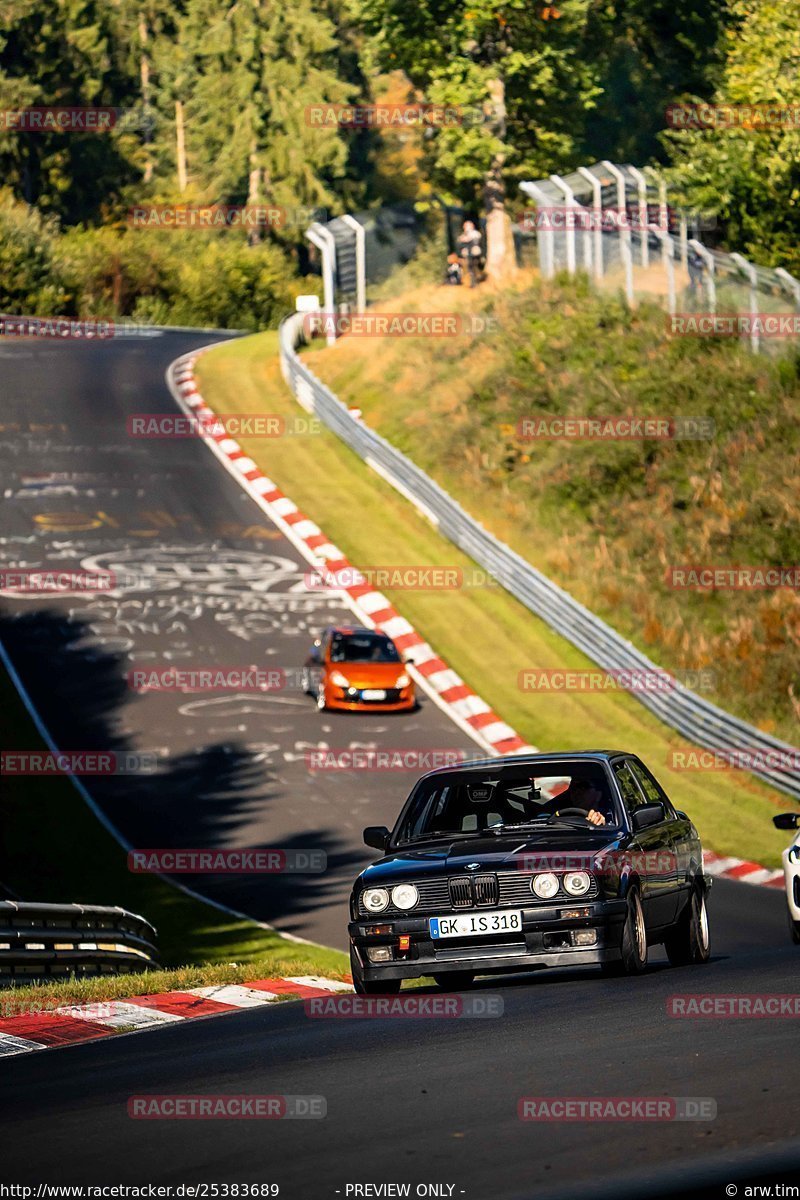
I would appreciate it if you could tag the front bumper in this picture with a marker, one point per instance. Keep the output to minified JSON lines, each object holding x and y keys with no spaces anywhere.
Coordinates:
{"x":544,"y":941}
{"x":337,"y":698}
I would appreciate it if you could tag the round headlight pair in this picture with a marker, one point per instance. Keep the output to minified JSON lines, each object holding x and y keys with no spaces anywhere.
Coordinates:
{"x":545,"y":886}
{"x":404,"y":896}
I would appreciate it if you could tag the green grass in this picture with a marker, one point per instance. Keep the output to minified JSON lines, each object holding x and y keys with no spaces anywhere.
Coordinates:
{"x":54,"y":849}
{"x":482,"y":632}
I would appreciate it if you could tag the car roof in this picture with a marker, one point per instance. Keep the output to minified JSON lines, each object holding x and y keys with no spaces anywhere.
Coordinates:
{"x":358,"y":629}
{"x":532,"y":760}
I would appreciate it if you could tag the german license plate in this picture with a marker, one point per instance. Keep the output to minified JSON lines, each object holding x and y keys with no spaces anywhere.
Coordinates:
{"x":476,"y":924}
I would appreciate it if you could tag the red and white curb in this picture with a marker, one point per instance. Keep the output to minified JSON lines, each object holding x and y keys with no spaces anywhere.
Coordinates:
{"x":741,"y":871}
{"x":63,"y":1026}
{"x":443,"y":685}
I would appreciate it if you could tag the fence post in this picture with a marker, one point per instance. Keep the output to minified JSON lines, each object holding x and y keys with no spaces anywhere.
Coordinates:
{"x":750,"y":271}
{"x":322,"y":238}
{"x":544,"y":237}
{"x":641,"y":184}
{"x":361,"y":261}
{"x":569,"y":196}
{"x":708,"y":259}
{"x":624,"y":228}
{"x":597,"y":217}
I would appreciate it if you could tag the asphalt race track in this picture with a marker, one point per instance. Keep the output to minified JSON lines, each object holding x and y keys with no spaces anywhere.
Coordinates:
{"x":205,"y":581}
{"x":409,"y":1101}
{"x":435,"y":1100}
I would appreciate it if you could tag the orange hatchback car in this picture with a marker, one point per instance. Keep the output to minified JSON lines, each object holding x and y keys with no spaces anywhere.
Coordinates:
{"x":358,"y":670}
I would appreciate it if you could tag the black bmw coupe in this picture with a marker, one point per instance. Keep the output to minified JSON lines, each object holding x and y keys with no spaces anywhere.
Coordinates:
{"x":533,"y":861}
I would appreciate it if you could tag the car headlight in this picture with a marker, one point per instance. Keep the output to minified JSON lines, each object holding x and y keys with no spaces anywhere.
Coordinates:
{"x":794,"y":854}
{"x":403,"y":681}
{"x":577,"y":883}
{"x":545,"y":886}
{"x":375,"y":899}
{"x":339,"y":679}
{"x":405,"y":895}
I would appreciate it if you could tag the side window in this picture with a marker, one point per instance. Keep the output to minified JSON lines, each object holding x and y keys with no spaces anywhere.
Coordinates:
{"x":651,"y":789}
{"x":631,"y":795}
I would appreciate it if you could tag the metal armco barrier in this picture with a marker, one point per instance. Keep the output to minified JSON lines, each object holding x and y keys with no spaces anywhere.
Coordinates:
{"x":696,"y":718}
{"x":48,"y":940}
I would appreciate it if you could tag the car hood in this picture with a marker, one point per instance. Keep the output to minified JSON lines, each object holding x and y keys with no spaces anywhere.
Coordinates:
{"x":360,"y":675}
{"x":496,"y":853}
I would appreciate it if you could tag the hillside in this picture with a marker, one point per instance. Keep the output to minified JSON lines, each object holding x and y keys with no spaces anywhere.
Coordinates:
{"x":609,"y":519}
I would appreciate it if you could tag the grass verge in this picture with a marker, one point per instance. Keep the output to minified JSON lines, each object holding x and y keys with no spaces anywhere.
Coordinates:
{"x":54,"y":849}
{"x":482,"y":632}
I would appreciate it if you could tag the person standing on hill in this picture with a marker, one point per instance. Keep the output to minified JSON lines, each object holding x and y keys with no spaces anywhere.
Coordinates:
{"x":471,"y":250}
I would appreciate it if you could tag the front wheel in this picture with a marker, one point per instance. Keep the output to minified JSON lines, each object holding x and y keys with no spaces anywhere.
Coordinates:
{"x":689,"y":943}
{"x":364,"y":987}
{"x":794,"y":930}
{"x":634,"y":940}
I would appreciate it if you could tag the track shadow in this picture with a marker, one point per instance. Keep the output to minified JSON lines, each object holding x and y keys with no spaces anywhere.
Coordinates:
{"x":199,"y":800}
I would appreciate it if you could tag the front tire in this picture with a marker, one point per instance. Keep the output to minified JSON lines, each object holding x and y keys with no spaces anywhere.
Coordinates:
{"x":689,"y":944}
{"x":369,"y":987}
{"x":794,"y":930}
{"x":634,"y":940}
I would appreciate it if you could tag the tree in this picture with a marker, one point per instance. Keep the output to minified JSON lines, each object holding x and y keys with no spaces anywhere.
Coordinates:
{"x":750,"y":174}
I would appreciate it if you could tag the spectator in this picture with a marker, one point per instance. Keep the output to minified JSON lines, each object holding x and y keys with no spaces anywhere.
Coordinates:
{"x":453,"y":273}
{"x":471,"y":251}
{"x":696,"y":268}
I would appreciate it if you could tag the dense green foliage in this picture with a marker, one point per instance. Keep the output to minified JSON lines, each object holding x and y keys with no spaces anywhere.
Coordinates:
{"x":214,"y":104}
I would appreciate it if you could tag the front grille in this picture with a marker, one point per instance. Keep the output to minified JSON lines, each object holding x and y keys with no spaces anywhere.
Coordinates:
{"x":461,"y":892}
{"x":486,"y":889}
{"x":441,"y":895}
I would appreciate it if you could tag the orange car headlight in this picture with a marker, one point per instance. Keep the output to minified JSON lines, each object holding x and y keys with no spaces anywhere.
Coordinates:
{"x":403,"y":680}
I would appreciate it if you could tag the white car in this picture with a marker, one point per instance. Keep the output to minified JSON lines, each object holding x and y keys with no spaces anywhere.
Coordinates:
{"x":791,"y":870}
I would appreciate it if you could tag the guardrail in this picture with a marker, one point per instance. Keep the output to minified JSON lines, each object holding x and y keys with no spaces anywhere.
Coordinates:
{"x":38,"y":940}
{"x":691,"y":715}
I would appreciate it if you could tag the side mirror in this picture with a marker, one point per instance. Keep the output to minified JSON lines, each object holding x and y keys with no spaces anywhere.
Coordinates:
{"x":647,"y":815}
{"x":377,"y":836}
{"x":787,"y":821}
{"x":409,"y":662}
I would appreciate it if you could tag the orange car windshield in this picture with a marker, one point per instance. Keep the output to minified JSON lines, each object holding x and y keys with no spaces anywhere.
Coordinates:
{"x":363,"y":648}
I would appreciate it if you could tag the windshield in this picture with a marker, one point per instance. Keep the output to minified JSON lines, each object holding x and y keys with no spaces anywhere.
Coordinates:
{"x":363,"y":648}
{"x":462,"y":803}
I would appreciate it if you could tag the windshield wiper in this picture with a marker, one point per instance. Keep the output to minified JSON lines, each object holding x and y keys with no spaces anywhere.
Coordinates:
{"x":443,"y":837}
{"x":536,"y":823}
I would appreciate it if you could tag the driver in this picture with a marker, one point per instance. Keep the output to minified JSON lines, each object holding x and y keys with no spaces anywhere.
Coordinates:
{"x":582,"y":793}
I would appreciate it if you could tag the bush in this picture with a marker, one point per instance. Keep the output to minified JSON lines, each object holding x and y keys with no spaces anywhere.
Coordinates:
{"x":30,"y":282}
